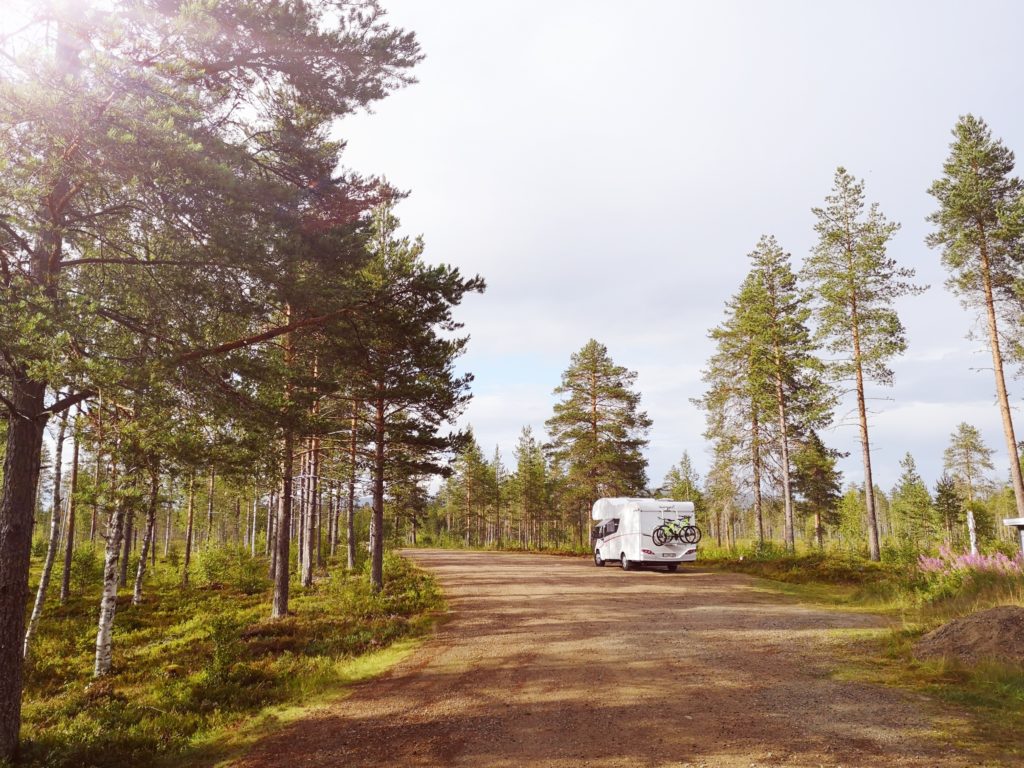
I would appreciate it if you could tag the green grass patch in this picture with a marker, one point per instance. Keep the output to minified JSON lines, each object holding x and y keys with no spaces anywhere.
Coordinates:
{"x":987,"y":699}
{"x":202,"y":671}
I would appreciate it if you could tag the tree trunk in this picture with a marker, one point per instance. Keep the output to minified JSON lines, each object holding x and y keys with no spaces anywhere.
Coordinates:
{"x":52,"y":545}
{"x":997,"y":367}
{"x":271,"y":512}
{"x":97,"y":476}
{"x":271,"y":532}
{"x":149,"y":540}
{"x":129,"y":522}
{"x":755,"y":458}
{"x":377,"y":519}
{"x":255,"y":522}
{"x":69,"y":542}
{"x":350,"y":511}
{"x":168,"y":525}
{"x":874,"y":548}
{"x":108,"y":602}
{"x":309,"y":530}
{"x":189,"y":527}
{"x":787,"y":489}
{"x":209,"y":508}
{"x":284,"y":526}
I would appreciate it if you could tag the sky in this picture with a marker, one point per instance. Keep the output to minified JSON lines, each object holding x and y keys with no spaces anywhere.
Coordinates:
{"x":607,"y":167}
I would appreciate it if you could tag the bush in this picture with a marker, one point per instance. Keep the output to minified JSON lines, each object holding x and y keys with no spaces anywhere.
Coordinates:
{"x":86,"y":568}
{"x":233,"y":567}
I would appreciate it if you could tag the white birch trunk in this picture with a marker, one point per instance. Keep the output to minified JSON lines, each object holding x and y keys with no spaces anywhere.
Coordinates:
{"x":108,"y":602}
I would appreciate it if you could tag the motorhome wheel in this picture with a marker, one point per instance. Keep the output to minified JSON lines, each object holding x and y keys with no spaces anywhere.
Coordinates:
{"x":598,"y":560}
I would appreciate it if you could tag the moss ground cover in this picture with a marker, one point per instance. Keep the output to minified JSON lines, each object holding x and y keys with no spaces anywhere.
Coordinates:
{"x":196,"y":669}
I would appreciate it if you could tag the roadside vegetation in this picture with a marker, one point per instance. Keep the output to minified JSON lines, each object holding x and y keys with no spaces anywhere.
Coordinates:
{"x":200,"y":670}
{"x":919,"y":596}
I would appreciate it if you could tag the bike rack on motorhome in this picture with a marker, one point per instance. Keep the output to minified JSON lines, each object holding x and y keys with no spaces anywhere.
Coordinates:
{"x":644,"y":532}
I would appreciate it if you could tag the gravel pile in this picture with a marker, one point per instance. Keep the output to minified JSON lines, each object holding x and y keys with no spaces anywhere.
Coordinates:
{"x":996,"y":634}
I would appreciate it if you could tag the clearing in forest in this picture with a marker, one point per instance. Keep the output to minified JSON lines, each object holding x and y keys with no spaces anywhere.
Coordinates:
{"x":551,"y":662}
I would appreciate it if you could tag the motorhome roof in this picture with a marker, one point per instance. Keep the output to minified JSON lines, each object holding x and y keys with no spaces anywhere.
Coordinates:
{"x":605,"y":509}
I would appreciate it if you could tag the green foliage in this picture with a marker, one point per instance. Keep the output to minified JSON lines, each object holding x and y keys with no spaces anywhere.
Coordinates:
{"x":855,"y":283}
{"x":850,"y":513}
{"x":192,"y":663}
{"x":967,"y":460}
{"x":980,"y":220}
{"x":235,"y":566}
{"x":914,"y":517}
{"x":949,"y":508}
{"x":86,"y":569}
{"x":817,"y":481}
{"x":598,"y":430}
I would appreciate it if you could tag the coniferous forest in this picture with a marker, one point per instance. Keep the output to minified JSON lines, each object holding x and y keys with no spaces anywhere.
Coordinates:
{"x":232,"y":384}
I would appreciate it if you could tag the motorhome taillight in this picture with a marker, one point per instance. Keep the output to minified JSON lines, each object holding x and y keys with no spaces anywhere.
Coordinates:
{"x":647,"y":552}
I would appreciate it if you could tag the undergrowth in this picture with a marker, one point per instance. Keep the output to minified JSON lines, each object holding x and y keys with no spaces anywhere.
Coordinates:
{"x":193,"y":663}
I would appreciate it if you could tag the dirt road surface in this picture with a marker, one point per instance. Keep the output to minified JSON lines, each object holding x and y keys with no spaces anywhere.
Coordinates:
{"x":550,"y":662}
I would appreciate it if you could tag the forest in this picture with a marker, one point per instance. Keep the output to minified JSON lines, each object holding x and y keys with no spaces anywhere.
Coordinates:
{"x":232,"y":385}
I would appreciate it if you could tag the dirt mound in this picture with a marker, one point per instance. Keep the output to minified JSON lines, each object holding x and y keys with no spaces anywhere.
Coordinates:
{"x":997,"y":633}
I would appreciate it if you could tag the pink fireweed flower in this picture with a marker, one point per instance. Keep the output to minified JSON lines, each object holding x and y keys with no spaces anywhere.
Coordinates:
{"x":952,"y":562}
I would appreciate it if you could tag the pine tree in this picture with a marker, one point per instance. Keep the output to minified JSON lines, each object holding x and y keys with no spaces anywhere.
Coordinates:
{"x":786,"y":366}
{"x":598,"y":430}
{"x":530,"y":488}
{"x":949,"y":507}
{"x":405,"y":349}
{"x":818,"y":483}
{"x":682,"y":483}
{"x":142,"y":160}
{"x":980,"y":228}
{"x":913,"y":513}
{"x":721,"y":493}
{"x":738,"y":398}
{"x":967,"y":459}
{"x":855,"y":284}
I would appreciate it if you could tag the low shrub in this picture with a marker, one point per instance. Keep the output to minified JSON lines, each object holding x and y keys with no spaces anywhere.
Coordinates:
{"x":192,"y":664}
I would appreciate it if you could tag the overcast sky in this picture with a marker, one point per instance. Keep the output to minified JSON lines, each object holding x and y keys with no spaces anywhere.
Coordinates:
{"x":607,"y":167}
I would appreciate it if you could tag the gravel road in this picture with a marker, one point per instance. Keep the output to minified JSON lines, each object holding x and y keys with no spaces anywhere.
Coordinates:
{"x":551,"y":662}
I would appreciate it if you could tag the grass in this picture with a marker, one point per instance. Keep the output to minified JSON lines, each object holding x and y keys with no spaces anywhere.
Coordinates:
{"x":989,"y":694}
{"x":199,"y":673}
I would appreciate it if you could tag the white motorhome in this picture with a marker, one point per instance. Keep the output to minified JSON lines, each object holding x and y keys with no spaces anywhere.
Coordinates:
{"x":644,"y":532}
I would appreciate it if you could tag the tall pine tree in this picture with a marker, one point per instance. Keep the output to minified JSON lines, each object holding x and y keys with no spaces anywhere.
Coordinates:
{"x":980,"y":229}
{"x":855,"y":284}
{"x":787,"y":368}
{"x":598,"y":429}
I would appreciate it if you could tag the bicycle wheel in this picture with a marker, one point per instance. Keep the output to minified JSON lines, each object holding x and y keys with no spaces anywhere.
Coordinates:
{"x":660,"y":536}
{"x":691,"y":534}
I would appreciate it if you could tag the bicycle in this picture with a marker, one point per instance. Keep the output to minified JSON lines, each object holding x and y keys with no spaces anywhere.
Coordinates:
{"x":675,"y":530}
